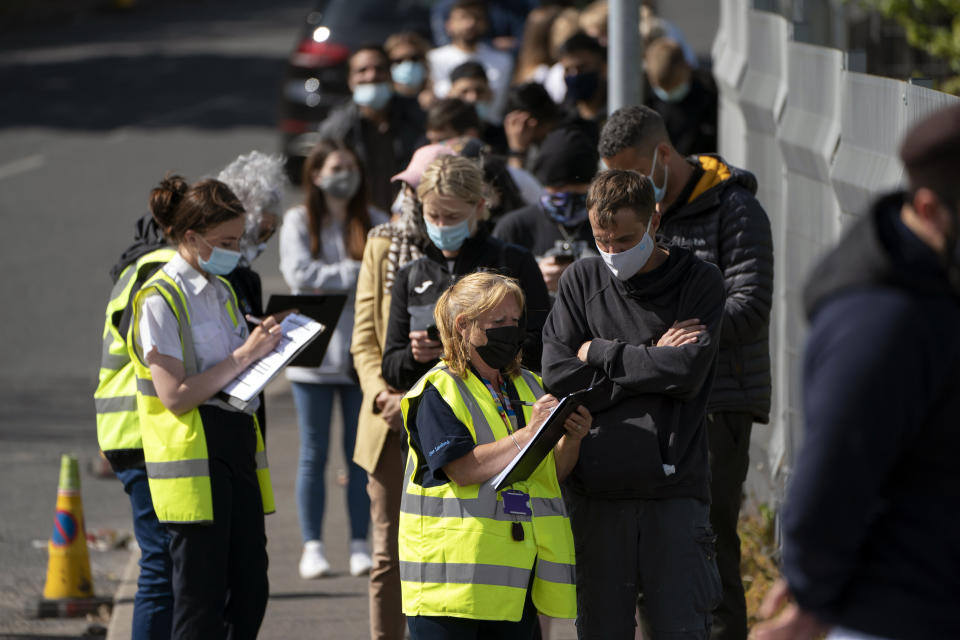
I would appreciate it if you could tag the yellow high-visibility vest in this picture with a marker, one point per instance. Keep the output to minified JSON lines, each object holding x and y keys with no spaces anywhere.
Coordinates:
{"x":457,"y":555}
{"x":175,"y":446}
{"x":118,"y":428}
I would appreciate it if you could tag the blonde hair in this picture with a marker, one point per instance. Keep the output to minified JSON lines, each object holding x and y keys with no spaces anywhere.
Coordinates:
{"x":455,"y":176}
{"x":467,"y":300}
{"x":663,"y":59}
{"x":564,"y":25}
{"x":593,"y":18}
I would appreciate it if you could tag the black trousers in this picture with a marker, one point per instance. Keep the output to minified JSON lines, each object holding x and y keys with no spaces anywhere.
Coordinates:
{"x":662,"y":548}
{"x":220,"y":584}
{"x":729,"y":435}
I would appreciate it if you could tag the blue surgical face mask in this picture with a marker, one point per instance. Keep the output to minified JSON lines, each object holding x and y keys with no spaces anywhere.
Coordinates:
{"x":677,"y":94}
{"x":569,"y":209}
{"x":409,"y":73}
{"x":448,"y":238}
{"x":658,"y":192}
{"x":627,"y":264}
{"x":221,"y":261}
{"x":373,"y":95}
{"x":484,"y":111}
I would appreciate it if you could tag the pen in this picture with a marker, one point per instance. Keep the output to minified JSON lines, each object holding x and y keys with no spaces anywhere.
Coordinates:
{"x":256,"y":320}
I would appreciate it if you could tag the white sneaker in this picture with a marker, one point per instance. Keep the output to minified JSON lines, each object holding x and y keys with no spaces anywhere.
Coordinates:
{"x":313,"y":564}
{"x":360,"y":561}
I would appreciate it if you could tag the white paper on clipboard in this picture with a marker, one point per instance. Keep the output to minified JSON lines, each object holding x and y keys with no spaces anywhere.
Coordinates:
{"x":298,"y":332}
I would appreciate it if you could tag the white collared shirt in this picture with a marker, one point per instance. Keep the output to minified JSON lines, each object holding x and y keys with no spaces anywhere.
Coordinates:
{"x":214,"y":335}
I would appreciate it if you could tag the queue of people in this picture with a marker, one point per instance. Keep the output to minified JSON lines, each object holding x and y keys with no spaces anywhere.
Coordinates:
{"x":504,"y":241}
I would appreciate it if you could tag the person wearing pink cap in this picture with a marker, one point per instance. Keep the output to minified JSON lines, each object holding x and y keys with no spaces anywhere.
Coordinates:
{"x":389,"y":247}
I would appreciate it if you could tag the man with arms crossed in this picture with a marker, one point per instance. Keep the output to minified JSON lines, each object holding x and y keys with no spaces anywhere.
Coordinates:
{"x":708,"y":206}
{"x":639,"y":495}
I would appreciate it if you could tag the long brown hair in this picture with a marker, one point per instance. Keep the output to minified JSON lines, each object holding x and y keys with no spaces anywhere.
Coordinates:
{"x":535,"y":49}
{"x":358,"y":216}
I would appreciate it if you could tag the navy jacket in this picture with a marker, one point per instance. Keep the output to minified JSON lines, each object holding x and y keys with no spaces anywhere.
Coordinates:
{"x":872,"y":519}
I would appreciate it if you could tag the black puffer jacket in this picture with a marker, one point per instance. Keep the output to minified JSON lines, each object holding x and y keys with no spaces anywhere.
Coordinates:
{"x":720,"y":220}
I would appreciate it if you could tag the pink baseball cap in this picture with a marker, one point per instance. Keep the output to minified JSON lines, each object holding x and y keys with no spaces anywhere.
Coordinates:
{"x":422,"y":157}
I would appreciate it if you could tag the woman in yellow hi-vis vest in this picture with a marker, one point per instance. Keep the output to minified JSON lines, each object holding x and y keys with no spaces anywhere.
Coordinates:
{"x":205,"y":460}
{"x":474,"y":562}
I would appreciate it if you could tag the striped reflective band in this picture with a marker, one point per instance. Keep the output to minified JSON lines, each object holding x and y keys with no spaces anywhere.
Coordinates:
{"x":124,"y":280}
{"x":145,"y":387}
{"x":485,"y":505}
{"x":186,"y":334}
{"x":556,"y":572}
{"x":261,"y":458}
{"x":531,"y":381}
{"x":481,"y":427}
{"x":110,"y":360}
{"x":179,"y":468}
{"x":462,"y":573}
{"x":118,"y":403}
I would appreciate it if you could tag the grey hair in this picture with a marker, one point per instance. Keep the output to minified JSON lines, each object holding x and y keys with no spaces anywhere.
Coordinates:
{"x":257,"y":179}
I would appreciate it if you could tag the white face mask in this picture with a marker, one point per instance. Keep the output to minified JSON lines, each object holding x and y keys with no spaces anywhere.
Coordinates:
{"x":626,"y":264}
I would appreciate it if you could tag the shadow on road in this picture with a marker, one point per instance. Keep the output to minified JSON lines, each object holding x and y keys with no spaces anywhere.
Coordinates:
{"x":206,"y":91}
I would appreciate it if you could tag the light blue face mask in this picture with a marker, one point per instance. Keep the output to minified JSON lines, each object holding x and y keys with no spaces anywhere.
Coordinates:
{"x":409,"y":73}
{"x":221,"y":261}
{"x":374,"y":95}
{"x":658,"y":192}
{"x":677,"y":94}
{"x":484,"y":111}
{"x":626,"y":264}
{"x":448,"y":238}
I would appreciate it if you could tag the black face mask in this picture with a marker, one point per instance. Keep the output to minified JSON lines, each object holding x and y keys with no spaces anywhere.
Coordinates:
{"x":503,"y":345}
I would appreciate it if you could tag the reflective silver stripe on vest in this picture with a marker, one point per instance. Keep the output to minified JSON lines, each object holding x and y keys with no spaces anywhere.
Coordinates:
{"x":531,"y":381}
{"x":546,"y":507}
{"x":462,"y":573}
{"x":480,"y":425}
{"x":261,"y":459}
{"x":118,"y":403}
{"x":124,"y":280}
{"x":145,"y":387}
{"x":186,"y":334}
{"x":112,"y":361}
{"x":556,"y":572}
{"x":179,"y":468}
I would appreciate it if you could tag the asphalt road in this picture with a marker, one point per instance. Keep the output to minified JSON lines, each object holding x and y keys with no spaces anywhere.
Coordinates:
{"x":92,"y":115}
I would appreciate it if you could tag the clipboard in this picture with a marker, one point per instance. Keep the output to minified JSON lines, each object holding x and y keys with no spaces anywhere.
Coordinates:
{"x":529,"y":458}
{"x":324,"y":307}
{"x":299,"y":332}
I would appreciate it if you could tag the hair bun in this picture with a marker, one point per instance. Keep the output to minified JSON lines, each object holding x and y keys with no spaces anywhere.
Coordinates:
{"x":165,"y":198}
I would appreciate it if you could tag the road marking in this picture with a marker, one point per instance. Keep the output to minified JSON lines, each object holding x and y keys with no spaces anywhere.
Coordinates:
{"x":21,"y":166}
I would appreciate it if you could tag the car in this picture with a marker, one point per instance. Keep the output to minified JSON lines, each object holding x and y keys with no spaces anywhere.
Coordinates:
{"x":316,"y":75}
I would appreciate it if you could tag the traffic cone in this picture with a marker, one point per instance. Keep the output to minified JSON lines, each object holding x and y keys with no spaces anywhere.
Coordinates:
{"x":69,"y":588}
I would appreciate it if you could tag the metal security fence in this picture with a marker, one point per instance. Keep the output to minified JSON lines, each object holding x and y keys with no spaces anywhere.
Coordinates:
{"x":823,"y":142}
